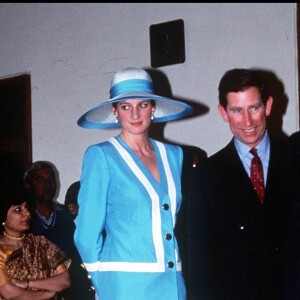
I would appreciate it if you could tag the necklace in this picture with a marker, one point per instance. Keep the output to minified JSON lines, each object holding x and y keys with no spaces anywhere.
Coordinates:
{"x":14,"y":237}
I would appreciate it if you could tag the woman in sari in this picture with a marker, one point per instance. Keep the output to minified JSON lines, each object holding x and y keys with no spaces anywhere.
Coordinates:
{"x":31,"y":267}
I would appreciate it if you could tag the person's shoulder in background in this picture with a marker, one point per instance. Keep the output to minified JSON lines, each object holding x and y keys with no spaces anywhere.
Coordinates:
{"x":295,"y":136}
{"x":294,"y":148}
{"x":192,"y":156}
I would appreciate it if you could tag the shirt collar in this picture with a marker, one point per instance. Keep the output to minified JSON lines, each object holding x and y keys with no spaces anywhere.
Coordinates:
{"x":262,"y":147}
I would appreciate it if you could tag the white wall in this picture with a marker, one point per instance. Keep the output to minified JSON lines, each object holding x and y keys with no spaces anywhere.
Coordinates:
{"x":72,"y":50}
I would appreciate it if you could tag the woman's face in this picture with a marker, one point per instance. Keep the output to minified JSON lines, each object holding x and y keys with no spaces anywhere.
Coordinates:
{"x":134,"y":115}
{"x":17,"y":219}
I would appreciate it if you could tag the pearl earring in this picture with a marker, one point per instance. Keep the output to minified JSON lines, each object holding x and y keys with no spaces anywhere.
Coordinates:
{"x":116,"y":119}
{"x":152,"y":117}
{"x":3,"y":223}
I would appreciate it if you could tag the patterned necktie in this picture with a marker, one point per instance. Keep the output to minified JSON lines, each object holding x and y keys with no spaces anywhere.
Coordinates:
{"x":256,"y":175}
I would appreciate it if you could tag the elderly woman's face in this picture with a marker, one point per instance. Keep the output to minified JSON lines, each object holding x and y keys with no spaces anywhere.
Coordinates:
{"x":18,"y":218}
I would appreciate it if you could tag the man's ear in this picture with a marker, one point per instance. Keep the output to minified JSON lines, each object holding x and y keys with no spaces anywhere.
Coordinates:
{"x":269,"y":106}
{"x":223,"y":112}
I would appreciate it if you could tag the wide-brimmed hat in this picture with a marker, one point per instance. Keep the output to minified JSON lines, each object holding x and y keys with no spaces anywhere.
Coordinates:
{"x":133,"y":83}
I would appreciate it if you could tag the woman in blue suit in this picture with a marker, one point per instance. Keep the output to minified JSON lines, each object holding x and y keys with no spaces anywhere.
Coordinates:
{"x":131,"y":189}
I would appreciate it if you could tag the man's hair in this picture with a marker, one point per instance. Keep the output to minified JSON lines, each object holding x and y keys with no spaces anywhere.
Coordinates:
{"x":36,"y":166}
{"x":239,"y":80}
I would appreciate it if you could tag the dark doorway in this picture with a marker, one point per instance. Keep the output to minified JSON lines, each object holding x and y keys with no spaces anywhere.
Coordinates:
{"x":15,"y":130}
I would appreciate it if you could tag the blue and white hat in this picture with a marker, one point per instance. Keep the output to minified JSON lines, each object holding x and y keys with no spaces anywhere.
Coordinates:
{"x":133,"y":83}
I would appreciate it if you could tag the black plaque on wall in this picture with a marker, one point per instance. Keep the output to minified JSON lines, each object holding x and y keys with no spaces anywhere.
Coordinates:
{"x":167,"y":43}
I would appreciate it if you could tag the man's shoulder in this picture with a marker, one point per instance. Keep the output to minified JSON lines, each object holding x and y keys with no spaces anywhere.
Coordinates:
{"x":295,"y":135}
{"x":62,"y":210}
{"x":221,"y":161}
{"x":59,"y":206}
{"x":294,"y":139}
{"x":278,"y":144}
{"x":191,"y":151}
{"x":226,"y":151}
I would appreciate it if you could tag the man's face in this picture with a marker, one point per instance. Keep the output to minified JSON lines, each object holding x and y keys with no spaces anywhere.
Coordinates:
{"x":43,"y":185}
{"x":247,"y":115}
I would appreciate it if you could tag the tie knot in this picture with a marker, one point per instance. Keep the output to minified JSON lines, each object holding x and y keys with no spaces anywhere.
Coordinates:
{"x":253,"y":151}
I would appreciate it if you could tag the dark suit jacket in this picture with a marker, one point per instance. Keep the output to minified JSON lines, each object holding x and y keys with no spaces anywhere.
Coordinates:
{"x":238,"y":242}
{"x":292,"y":259}
{"x":193,"y":157}
{"x":294,"y":144}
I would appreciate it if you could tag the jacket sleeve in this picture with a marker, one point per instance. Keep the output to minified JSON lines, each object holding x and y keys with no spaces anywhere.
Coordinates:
{"x":92,"y":200}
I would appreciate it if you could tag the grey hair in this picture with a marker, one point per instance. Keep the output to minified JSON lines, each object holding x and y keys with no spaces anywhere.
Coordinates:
{"x":36,"y":166}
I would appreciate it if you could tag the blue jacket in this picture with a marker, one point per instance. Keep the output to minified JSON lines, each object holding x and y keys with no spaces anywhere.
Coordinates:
{"x":138,"y":259}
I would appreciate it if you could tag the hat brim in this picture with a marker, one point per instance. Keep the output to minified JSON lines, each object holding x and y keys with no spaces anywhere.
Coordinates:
{"x":101,"y":116}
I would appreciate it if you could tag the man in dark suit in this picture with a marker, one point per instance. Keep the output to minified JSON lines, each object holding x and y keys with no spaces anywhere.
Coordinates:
{"x":238,"y":238}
